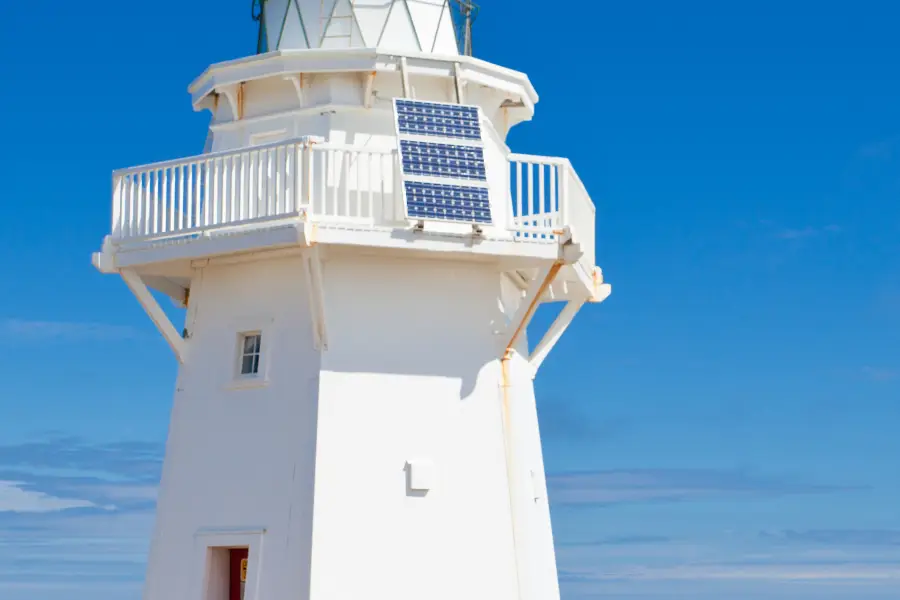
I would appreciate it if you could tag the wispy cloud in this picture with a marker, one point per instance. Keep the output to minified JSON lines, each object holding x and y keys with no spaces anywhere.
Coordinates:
{"x":625,"y":540}
{"x":673,"y":485}
{"x":837,"y":537}
{"x":13,"y":498}
{"x":560,"y":418}
{"x":784,"y":232}
{"x":30,"y":330}
{"x":881,"y":150}
{"x":788,"y":233}
{"x":880,"y":373}
{"x":60,"y":555}
{"x":75,"y":515}
{"x":745,"y":572}
{"x":79,"y":474}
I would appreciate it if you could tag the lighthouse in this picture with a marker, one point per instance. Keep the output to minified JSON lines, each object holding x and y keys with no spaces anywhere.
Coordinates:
{"x":360,"y":255}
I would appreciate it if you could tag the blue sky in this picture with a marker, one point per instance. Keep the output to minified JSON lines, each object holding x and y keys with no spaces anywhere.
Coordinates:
{"x":723,"y":428}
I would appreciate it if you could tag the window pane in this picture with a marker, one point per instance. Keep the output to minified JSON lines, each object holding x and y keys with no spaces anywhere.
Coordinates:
{"x":250,"y":343}
{"x":249,"y":364}
{"x":256,"y":363}
{"x":258,"y":339}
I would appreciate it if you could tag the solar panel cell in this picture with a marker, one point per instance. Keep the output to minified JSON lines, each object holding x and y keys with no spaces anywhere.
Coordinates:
{"x":443,"y":160}
{"x":438,"y":120}
{"x":447,"y":202}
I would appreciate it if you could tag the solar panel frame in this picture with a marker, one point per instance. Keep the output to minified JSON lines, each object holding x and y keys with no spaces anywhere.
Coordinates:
{"x":443,"y":167}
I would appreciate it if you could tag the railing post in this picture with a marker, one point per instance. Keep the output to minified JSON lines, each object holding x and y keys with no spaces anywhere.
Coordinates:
{"x":309,"y":174}
{"x":206,"y":194}
{"x":295,"y":171}
{"x":542,"y":201}
{"x":172,"y":202}
{"x":181,"y":196}
{"x":163,"y":201}
{"x":398,"y":197}
{"x":519,"y":213}
{"x":117,"y":185}
{"x":563,"y":215}
{"x":371,"y":186}
{"x":133,"y":217}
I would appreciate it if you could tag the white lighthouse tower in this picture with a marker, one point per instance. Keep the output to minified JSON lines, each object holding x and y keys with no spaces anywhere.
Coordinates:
{"x":360,"y":255}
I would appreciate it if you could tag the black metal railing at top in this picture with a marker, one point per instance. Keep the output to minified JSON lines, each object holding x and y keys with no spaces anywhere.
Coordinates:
{"x":463,"y":12}
{"x":258,"y":12}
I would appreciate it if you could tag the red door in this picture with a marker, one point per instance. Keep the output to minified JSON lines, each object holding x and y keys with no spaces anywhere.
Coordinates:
{"x":238,"y":573}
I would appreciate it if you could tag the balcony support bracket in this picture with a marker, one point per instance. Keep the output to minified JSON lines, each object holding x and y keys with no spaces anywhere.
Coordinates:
{"x":556,"y":331}
{"x":312,"y":272}
{"x":177,"y":293}
{"x":368,"y":91}
{"x":527,"y":307}
{"x":137,"y":286}
{"x":459,"y":83}
{"x":601,"y":290}
{"x":234,"y":93}
{"x":297,"y":80}
{"x":404,"y":78}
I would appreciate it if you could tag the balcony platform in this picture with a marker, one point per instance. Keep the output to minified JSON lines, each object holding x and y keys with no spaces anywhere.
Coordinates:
{"x":291,"y":196}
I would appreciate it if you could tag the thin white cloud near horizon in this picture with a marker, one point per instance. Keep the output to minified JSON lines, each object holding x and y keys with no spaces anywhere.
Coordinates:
{"x":744,"y":572}
{"x":40,"y":330}
{"x":14,"y":498}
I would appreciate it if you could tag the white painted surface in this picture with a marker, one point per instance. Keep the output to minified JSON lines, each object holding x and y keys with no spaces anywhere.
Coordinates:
{"x":240,"y":458}
{"x":316,"y":455}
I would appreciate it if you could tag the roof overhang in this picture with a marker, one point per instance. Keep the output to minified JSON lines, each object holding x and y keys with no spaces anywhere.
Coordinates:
{"x":293,"y":62}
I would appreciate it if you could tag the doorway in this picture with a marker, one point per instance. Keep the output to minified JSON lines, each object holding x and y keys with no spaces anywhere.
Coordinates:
{"x":237,"y":578}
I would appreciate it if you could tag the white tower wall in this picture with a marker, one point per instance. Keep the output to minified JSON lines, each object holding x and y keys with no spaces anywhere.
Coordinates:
{"x":310,"y":469}
{"x":240,"y":460}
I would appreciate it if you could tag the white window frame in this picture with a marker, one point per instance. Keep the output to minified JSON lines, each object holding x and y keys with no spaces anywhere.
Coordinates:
{"x":261,"y":326}
{"x":242,"y":354}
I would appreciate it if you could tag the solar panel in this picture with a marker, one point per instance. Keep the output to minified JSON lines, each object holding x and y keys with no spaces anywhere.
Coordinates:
{"x":438,"y":120}
{"x":438,"y":201}
{"x":445,"y":178}
{"x":442,"y":160}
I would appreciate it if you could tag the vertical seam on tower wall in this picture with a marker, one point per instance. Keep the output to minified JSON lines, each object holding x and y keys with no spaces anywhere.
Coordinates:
{"x":505,"y":412}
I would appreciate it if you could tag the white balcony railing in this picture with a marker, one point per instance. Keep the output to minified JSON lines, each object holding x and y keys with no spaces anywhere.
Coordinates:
{"x":326,"y":183}
{"x":548,"y":195}
{"x":247,"y":186}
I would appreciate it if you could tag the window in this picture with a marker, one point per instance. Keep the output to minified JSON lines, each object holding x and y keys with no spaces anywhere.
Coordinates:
{"x":251,"y":346}
{"x":252,"y":343}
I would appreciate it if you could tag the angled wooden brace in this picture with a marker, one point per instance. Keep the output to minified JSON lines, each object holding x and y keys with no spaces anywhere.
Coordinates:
{"x":369,"y":88}
{"x":312,"y":271}
{"x":458,"y":84}
{"x":529,"y":303}
{"x":234,"y":93}
{"x":297,"y":80}
{"x":156,"y":314}
{"x":542,"y":350}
